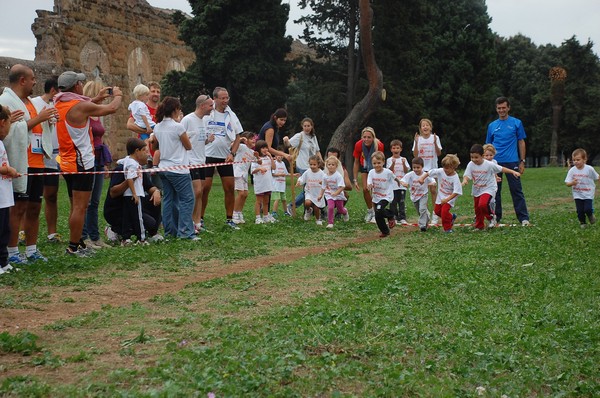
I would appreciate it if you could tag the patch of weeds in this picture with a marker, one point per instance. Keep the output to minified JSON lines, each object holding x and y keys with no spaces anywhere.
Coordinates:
{"x":24,"y":386}
{"x":48,"y":359}
{"x":82,"y":356}
{"x":141,"y":338}
{"x":21,"y":343}
{"x":68,"y":300}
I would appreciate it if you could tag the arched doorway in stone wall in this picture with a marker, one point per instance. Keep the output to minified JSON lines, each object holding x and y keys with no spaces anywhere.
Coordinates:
{"x":139,"y":69}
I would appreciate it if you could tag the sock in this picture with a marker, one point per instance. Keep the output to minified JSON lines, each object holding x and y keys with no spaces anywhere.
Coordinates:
{"x":73,"y":246}
{"x":13,"y":251}
{"x":29,"y":250}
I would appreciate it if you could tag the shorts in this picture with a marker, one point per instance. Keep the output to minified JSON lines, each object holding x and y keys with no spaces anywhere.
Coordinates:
{"x":224,"y":171}
{"x":79,"y":182}
{"x":279,"y":195}
{"x":363,"y":170}
{"x":268,"y":193}
{"x":51,"y":181}
{"x":197,"y":173}
{"x":241,"y":183}
{"x":35,"y":185}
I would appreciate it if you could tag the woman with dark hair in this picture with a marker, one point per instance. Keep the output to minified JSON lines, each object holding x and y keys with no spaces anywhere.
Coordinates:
{"x":270,"y":133}
{"x":178,"y":196}
{"x":363,"y":150}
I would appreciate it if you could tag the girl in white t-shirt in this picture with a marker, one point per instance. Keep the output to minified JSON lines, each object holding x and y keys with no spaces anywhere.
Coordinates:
{"x":262,"y":170}
{"x":382,"y":182}
{"x":418,"y":191}
{"x":427,"y":146}
{"x":241,"y":167}
{"x":312,"y":179}
{"x":333,"y":190}
{"x":7,"y":173}
{"x":483,"y":174}
{"x":582,"y":180}
{"x":280,"y":174}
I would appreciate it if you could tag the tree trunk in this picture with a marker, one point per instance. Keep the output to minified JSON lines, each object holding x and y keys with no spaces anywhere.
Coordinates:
{"x":351,"y":59}
{"x":556,"y":110}
{"x":343,"y":136}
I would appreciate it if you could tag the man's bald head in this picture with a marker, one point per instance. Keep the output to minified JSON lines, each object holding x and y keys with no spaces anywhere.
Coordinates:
{"x":17,"y":72}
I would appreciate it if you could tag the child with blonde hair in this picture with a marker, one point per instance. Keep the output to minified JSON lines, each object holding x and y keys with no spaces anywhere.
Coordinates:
{"x":381,"y":183}
{"x":449,"y":188}
{"x":262,"y":169}
{"x":427,"y":146}
{"x":418,"y":191}
{"x":333,"y":190}
{"x":582,"y":180}
{"x":312,"y":179}
{"x":399,"y":165}
{"x":139,"y":110}
{"x":280,"y":174}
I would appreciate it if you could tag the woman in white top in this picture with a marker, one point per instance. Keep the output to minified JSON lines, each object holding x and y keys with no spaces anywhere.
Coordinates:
{"x":178,"y":196}
{"x":306,"y":145}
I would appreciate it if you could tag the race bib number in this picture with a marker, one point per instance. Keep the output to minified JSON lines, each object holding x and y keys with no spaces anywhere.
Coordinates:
{"x":36,"y":144}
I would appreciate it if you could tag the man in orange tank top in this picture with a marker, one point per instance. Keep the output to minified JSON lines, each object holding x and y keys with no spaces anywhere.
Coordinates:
{"x":76,"y":150}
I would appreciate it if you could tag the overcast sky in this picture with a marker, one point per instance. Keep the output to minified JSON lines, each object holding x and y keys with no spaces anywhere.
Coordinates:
{"x":544,"y":21}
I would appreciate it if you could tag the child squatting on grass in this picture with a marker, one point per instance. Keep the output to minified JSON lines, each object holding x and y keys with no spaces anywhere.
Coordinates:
{"x":312,"y":179}
{"x":262,"y":169}
{"x":333,"y":190}
{"x":582,"y":180}
{"x":449,"y":188}
{"x":483,"y":174}
{"x":418,"y":191}
{"x":133,"y":222}
{"x":381,"y":183}
{"x":7,"y":201}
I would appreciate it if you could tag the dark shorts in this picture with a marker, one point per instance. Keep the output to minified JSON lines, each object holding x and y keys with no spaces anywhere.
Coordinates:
{"x":35,"y":184}
{"x":79,"y":182}
{"x":197,"y":174}
{"x":363,"y":170}
{"x":51,"y":181}
{"x":224,"y":171}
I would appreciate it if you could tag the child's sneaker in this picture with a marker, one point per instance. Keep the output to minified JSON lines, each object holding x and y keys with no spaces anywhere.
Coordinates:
{"x":423,"y":229}
{"x":232,"y":225}
{"x":241,"y":217}
{"x":391,"y":223}
{"x":54,"y":238}
{"x":592,"y":219}
{"x":382,"y":235}
{"x":269,"y":218}
{"x":287,"y":213}
{"x":346,"y":216}
{"x":307,"y":214}
{"x":274,"y":215}
{"x":236,"y":218}
{"x":36,"y":256}
{"x":329,"y":226}
{"x":450,"y":231}
{"x":370,"y":216}
{"x":525,"y":223}
{"x":124,"y":242}
{"x":435,"y":219}
{"x":259,"y":220}
{"x":319,"y":222}
{"x":454,"y":218}
{"x":493,"y":222}
{"x":111,"y":235}
{"x":156,"y":238}
{"x":18,"y":259}
{"x":76,"y":253}
{"x":403,"y":222}
{"x":8,"y":268}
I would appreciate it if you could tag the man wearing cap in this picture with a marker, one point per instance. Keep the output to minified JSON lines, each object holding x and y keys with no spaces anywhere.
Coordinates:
{"x":75,"y":147}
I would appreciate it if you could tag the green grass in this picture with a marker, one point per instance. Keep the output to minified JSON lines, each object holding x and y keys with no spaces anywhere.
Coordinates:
{"x":513,"y":311}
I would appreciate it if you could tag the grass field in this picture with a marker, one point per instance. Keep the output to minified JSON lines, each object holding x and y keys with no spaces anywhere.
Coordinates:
{"x":293,"y":309}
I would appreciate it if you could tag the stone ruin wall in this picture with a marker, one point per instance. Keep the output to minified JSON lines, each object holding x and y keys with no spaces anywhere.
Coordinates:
{"x":119,"y":42}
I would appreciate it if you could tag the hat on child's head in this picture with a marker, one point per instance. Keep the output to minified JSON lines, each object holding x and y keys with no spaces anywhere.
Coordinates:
{"x":69,"y":78}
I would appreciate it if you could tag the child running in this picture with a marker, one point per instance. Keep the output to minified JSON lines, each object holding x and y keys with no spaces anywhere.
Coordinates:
{"x":241,"y":167}
{"x":449,"y":188}
{"x":489,"y":152}
{"x":381,"y":183}
{"x":280,"y":174}
{"x":333,"y":189}
{"x":427,"y":146}
{"x":483,"y":174}
{"x":582,"y":180}
{"x":262,"y":170}
{"x":418,"y":191}
{"x":312,"y":179}
{"x":133,"y":223}
{"x":399,"y":165}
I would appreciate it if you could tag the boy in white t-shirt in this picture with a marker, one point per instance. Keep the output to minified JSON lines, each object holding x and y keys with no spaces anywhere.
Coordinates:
{"x":280,"y":174}
{"x":381,"y":183}
{"x":139,"y":110}
{"x":133,"y":223}
{"x":262,"y":170}
{"x":7,"y":201}
{"x":449,"y":188}
{"x":582,"y":180}
{"x":483,"y":174}
{"x":399,"y":165}
{"x":418,"y":191}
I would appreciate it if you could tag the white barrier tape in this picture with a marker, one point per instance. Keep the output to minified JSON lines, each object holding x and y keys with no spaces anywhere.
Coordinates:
{"x":456,"y":225}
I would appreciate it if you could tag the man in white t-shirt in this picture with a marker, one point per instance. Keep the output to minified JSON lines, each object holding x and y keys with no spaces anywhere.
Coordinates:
{"x":223,"y":123}
{"x":196,"y":131}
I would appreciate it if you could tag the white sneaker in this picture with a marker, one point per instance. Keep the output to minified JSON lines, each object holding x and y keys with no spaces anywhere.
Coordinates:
{"x":236,"y":218}
{"x":269,"y":218}
{"x":403,"y":222}
{"x":435,"y":219}
{"x":241,"y":218}
{"x":493,"y":223}
{"x":111,"y":235}
{"x":525,"y":223}
{"x":346,"y":217}
{"x":307,"y":215}
{"x":370,"y":215}
{"x":156,"y":238}
{"x":319,"y":222}
{"x":330,"y":226}
{"x":259,"y":220}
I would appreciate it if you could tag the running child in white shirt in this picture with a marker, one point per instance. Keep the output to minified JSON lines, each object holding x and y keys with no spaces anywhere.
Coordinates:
{"x":427,"y":146}
{"x":381,"y":182}
{"x":399,"y":165}
{"x":333,"y":190}
{"x":582,"y":180}
{"x":449,"y":188}
{"x":489,"y":152}
{"x":261,"y":169}
{"x":139,"y":110}
{"x":312,"y":179}
{"x":418,"y":191}
{"x":280,"y":174}
{"x":241,"y":167}
{"x":483,"y":174}
{"x":133,"y":223}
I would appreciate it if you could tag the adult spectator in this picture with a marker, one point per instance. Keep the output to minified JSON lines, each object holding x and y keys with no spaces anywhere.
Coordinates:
{"x":178,"y":200}
{"x":152,"y":104}
{"x":306,"y":145}
{"x":24,"y":149}
{"x":102,"y":156}
{"x":113,"y":206}
{"x":196,"y":131}
{"x":75,"y":147}
{"x":507,"y":135}
{"x":223,"y":123}
{"x":363,"y":150}
{"x":269,"y":132}
{"x":50,"y":146}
